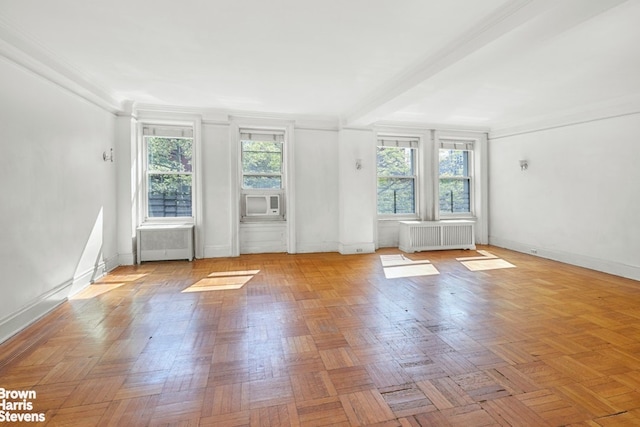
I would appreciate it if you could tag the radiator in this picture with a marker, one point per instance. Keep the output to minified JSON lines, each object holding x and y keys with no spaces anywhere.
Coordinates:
{"x":165,"y":242}
{"x":436,"y":235}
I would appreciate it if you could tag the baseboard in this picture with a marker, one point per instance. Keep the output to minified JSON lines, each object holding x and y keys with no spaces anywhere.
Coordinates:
{"x":16,"y":322}
{"x":220,"y":251}
{"x":48,"y":301}
{"x":603,"y":265}
{"x":356,"y":248}
{"x":84,"y":279}
{"x":310,"y":248}
{"x":126,"y":259}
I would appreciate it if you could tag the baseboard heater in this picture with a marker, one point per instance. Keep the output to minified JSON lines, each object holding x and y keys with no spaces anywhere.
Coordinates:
{"x":418,"y":236}
{"x":165,"y":242}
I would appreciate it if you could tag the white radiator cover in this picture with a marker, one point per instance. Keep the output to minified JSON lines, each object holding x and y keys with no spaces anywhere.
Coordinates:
{"x":436,"y":235}
{"x":165,"y":242}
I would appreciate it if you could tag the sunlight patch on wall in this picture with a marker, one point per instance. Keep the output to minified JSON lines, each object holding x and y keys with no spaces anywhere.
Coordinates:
{"x":221,"y":281}
{"x":398,"y":266}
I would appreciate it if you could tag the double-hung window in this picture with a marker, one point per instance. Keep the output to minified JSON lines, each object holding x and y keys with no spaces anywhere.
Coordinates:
{"x":263,"y":174}
{"x":168,"y":171}
{"x":455,"y":177}
{"x":397,"y":175}
{"x":262,"y":159}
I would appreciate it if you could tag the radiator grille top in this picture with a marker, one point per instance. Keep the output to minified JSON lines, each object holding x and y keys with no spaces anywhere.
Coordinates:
{"x":164,"y":239}
{"x":165,"y":242}
{"x":434,"y":235}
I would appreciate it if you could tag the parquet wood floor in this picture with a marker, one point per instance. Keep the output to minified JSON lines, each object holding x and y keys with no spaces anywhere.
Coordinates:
{"x":326,"y":339}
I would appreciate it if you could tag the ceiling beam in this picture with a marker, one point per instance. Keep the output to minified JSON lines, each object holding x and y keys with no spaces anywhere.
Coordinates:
{"x":535,"y":19}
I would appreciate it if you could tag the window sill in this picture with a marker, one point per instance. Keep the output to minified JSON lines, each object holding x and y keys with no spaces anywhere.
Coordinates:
{"x":168,"y":221}
{"x":456,"y":217}
{"x":460,"y":218}
{"x":398,"y":218}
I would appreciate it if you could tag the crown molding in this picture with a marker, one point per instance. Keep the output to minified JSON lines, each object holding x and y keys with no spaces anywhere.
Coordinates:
{"x":608,"y":109}
{"x":427,"y":126}
{"x":216,"y":116}
{"x":31,"y":55}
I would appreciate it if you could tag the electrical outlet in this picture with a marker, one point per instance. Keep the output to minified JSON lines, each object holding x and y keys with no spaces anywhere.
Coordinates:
{"x":359,"y":250}
{"x":534,"y":251}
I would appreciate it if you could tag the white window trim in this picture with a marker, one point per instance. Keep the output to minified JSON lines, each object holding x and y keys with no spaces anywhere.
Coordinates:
{"x":196,"y":193}
{"x":404,"y":139}
{"x":236,"y":124}
{"x":470,"y":143}
{"x":267,"y":133}
{"x":282,"y":191}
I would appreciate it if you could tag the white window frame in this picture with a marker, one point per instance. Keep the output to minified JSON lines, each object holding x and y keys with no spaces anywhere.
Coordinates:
{"x":263,"y":133}
{"x":461,"y":144}
{"x":402,"y":141}
{"x":175,"y":129}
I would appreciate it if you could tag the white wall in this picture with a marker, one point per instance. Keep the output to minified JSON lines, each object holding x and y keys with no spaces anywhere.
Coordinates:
{"x":217,"y":191}
{"x":578,"y":202}
{"x":58,"y":211}
{"x":316,"y":194}
{"x":357,"y":191}
{"x":316,"y":197}
{"x":126,"y":188}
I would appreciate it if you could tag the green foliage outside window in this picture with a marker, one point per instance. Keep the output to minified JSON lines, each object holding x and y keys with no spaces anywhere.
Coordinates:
{"x":169,"y":174}
{"x":261,"y":164}
{"x":454,"y":182}
{"x":396,"y":180}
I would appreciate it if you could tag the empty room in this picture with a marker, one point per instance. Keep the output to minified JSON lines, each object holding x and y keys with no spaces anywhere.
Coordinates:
{"x":310,"y":213}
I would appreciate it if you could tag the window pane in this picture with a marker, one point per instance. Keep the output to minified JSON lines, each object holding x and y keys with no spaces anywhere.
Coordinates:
{"x":395,"y":161}
{"x":261,"y":162}
{"x":264,"y":146}
{"x":261,"y":182}
{"x":169,"y":154}
{"x":396,"y":196}
{"x":454,"y":163}
{"x":169,"y":195}
{"x":454,"y":196}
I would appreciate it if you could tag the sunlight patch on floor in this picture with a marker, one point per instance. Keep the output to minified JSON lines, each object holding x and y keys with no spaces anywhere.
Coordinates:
{"x":234,"y":273}
{"x":410,"y":271}
{"x":223,"y":280}
{"x":394,"y":260}
{"x":95,"y":289}
{"x":483,"y":255}
{"x":398,"y":266}
{"x":487,"y":264}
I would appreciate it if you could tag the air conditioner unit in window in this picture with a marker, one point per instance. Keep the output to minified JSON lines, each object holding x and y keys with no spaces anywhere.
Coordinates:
{"x":261,"y":205}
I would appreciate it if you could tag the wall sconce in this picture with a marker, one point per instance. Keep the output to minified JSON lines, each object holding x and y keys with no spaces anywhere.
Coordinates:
{"x":524,"y":165}
{"x":358,"y":164}
{"x":108,"y":157}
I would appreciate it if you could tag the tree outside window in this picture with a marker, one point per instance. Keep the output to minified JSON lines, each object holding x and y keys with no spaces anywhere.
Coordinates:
{"x":455,"y":182}
{"x":169,"y":176}
{"x":396,"y":180}
{"x":261,"y":164}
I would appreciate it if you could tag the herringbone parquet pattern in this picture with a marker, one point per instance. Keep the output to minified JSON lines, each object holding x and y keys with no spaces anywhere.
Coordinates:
{"x":325,"y":339}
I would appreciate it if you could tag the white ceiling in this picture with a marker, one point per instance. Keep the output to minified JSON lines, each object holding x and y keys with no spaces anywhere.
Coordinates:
{"x":489,"y":63}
